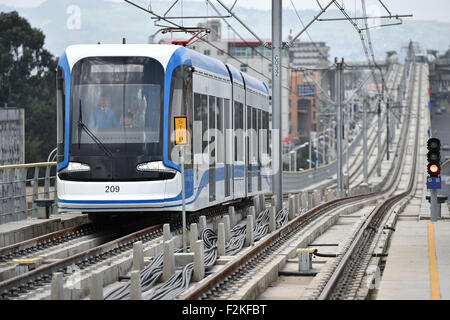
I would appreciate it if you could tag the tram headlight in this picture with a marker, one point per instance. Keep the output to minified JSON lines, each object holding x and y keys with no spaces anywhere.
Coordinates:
{"x":154,"y":166}
{"x":76,"y":167}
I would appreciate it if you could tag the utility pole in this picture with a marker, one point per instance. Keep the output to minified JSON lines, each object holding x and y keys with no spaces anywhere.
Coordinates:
{"x":310,"y":151}
{"x":277,"y":188}
{"x":333,"y":138}
{"x":295,"y":161}
{"x":339,"y":82}
{"x":347,"y":132}
{"x":379,"y":139}
{"x":387,"y":130}
{"x":365,"y":105}
{"x":330,"y":136}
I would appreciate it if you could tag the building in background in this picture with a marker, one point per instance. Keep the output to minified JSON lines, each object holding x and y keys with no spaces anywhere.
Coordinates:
{"x":440,"y":79}
{"x":12,"y":136}
{"x":303,"y":104}
{"x":308,"y":54}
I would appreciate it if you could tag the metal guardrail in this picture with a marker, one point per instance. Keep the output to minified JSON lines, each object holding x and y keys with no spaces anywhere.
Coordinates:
{"x":20,"y":187}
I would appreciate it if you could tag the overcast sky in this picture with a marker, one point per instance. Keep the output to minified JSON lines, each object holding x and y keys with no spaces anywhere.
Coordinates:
{"x":423,"y":10}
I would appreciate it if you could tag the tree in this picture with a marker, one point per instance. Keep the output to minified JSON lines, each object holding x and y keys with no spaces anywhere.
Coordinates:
{"x":27,"y":80}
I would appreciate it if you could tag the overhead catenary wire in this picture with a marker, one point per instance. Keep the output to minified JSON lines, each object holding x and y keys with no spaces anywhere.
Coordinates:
{"x":366,"y":52}
{"x":371,"y":62}
{"x":306,"y":31}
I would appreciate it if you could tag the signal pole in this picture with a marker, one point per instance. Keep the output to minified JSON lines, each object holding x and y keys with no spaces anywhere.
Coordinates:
{"x":277,"y":188}
{"x":387,"y":130}
{"x":365,"y":105}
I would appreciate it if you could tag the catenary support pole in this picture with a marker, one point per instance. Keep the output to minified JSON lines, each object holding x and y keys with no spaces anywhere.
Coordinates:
{"x":339,"y":67}
{"x":387,"y":130}
{"x":365,"y":171}
{"x":379,"y":139}
{"x":276,"y":102}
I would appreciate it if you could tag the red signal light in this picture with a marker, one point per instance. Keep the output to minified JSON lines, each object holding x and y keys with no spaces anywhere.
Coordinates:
{"x":434,"y":168}
{"x":434,"y":157}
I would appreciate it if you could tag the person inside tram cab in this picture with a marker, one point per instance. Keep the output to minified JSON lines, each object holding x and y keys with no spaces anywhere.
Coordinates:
{"x":128,"y":121}
{"x":137,"y":112}
{"x":103,"y":116}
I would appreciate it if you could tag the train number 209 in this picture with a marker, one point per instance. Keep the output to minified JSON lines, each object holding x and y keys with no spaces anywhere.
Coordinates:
{"x":112,"y":189}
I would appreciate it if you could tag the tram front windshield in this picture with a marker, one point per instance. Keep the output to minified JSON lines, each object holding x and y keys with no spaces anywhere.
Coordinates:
{"x":116,"y":105}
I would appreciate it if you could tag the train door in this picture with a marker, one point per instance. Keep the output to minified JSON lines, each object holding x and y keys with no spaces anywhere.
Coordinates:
{"x":248,"y":153}
{"x":200,"y":144}
{"x":239,"y":149}
{"x":236,"y":137}
{"x":259,"y":147}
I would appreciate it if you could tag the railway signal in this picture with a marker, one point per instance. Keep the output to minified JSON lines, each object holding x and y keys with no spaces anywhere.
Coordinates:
{"x":434,"y":171}
{"x":434,"y":157}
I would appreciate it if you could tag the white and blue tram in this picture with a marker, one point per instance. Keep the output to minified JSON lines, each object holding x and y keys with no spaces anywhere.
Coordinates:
{"x":116,"y":106}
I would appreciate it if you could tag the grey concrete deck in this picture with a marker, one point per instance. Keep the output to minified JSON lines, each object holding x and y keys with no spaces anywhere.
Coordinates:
{"x":407,"y":272}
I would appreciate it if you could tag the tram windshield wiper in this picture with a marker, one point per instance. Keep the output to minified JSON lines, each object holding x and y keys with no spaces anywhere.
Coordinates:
{"x":81,"y":125}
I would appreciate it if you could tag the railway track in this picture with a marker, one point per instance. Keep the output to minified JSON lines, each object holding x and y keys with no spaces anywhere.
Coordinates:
{"x":237,"y":269}
{"x":352,"y":262}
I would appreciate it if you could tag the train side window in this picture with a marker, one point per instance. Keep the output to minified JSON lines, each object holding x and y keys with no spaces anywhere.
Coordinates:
{"x":235,"y":136}
{"x":266,"y":133}
{"x":249,"y":135}
{"x":228,"y":131}
{"x":254,"y":135}
{"x":239,"y":131}
{"x":212,"y":126}
{"x":180,"y":104}
{"x":220,"y":131}
{"x":204,"y":108}
{"x":61,"y":112}
{"x":197,"y":124}
{"x":258,"y":146}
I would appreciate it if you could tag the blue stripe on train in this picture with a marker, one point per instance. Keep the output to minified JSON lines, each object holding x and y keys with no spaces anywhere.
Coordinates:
{"x":64,"y":64}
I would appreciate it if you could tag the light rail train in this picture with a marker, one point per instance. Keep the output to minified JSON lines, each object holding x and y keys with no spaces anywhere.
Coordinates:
{"x":118,"y":107}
